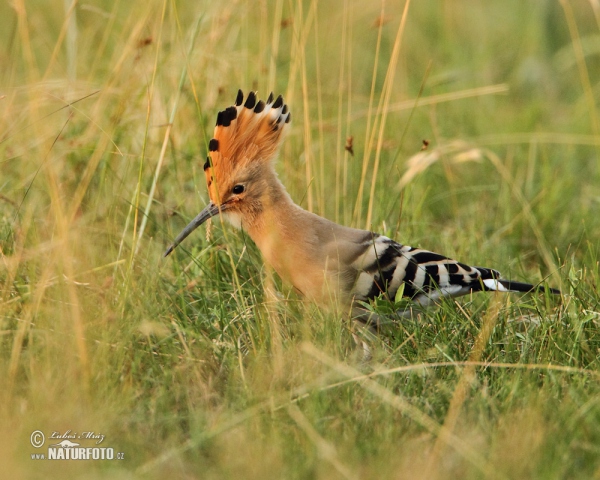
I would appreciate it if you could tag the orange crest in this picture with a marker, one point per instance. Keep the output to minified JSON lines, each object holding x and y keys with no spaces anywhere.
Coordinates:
{"x":247,"y":134}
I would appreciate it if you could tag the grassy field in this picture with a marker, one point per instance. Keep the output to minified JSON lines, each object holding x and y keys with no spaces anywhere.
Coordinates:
{"x":192,"y":366}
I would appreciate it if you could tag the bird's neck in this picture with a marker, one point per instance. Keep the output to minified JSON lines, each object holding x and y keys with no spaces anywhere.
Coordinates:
{"x":273,"y":224}
{"x":287,"y":235}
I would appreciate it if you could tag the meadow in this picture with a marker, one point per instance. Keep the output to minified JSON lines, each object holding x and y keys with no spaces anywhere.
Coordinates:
{"x":468,"y":128}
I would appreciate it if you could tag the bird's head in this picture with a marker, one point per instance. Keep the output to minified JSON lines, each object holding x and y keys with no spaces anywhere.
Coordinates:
{"x":238,"y":168}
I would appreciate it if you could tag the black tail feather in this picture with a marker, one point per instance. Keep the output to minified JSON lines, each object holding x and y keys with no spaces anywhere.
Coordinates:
{"x":527,"y":287}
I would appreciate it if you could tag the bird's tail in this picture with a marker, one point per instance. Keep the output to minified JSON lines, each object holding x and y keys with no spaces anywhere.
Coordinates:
{"x":491,"y":281}
{"x":526,"y":287}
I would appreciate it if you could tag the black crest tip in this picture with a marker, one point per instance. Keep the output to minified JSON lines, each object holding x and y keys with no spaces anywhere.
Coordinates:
{"x":289,"y":118}
{"x":219,"y":118}
{"x":240,"y":98}
{"x":251,"y":100}
{"x":213,"y":145}
{"x":270,"y":99}
{"x":207,"y":163}
{"x":231,"y":113}
{"x":225,"y":117}
{"x":279,"y":102}
{"x":260,"y":106}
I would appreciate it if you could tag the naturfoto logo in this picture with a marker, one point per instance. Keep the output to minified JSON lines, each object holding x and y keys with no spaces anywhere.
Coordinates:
{"x":70,"y":446}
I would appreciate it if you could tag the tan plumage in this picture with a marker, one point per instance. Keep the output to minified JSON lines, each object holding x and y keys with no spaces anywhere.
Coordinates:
{"x":326,"y":262}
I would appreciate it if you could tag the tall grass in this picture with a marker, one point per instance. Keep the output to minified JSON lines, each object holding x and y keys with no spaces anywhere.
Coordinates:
{"x":204,"y":365}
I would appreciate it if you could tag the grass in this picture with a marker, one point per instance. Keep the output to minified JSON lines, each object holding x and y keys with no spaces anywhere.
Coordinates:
{"x":193,"y":367}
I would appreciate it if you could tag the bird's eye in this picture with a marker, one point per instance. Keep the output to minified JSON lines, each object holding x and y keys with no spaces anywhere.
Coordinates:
{"x":238,"y":189}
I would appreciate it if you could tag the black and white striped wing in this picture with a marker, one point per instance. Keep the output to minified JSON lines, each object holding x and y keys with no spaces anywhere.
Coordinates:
{"x":427,"y":276}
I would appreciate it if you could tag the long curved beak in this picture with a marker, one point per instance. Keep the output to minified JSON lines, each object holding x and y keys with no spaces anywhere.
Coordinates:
{"x":209,"y":211}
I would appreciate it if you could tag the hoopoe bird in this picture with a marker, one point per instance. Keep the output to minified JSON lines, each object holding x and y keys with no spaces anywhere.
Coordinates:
{"x":324,"y":261}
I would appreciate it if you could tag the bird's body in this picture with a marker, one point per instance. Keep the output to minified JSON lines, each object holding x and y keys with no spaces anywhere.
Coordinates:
{"x":328,"y":263}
